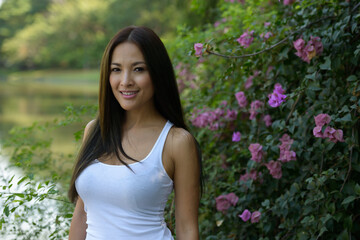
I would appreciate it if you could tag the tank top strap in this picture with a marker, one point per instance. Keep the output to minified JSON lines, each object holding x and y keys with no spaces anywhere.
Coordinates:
{"x":161,"y":141}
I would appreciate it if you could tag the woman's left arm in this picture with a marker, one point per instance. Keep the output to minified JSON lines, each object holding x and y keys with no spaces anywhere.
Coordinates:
{"x":186,"y":185}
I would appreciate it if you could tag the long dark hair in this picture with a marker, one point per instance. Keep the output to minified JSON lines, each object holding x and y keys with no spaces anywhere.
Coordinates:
{"x":105,"y":135}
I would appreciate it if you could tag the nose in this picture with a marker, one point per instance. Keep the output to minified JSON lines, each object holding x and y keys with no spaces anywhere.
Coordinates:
{"x":126,"y":78}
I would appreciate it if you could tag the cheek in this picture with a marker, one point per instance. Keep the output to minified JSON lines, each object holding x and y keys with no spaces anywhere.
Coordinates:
{"x":113,"y":82}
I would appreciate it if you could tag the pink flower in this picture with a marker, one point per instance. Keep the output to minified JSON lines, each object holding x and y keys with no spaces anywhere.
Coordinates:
{"x":216,"y":24}
{"x":329,"y":131}
{"x":277,"y":97}
{"x":278,"y":88}
{"x":322,"y":119}
{"x":275,"y":169}
{"x":266,"y":24}
{"x":236,"y":137}
{"x":316,"y":42}
{"x":252,"y":175}
{"x":231,"y":115}
{"x":255,"y":217}
{"x":254,"y":107}
{"x":313,"y":48}
{"x":286,"y":140}
{"x":256,"y":152}
{"x":249,"y":82}
{"x":198,"y":49}
{"x":245,"y":216}
{"x":337,"y":136}
{"x":267,"y":120}
{"x":246,"y":39}
{"x":317,"y":132}
{"x":287,"y":156}
{"x":299,"y":44}
{"x":223,"y":202}
{"x":241,"y":99}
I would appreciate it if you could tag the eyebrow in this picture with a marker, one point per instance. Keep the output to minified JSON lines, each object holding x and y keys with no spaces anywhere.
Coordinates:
{"x":133,"y":64}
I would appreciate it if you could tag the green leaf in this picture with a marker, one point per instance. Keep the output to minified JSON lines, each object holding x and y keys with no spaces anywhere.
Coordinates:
{"x":22,"y":179}
{"x":326,"y":65}
{"x":343,"y":236}
{"x":311,"y":76}
{"x":346,"y":118}
{"x":357,"y":189}
{"x":6,"y":211}
{"x":351,"y":78}
{"x":69,"y":215}
{"x":348,"y":200}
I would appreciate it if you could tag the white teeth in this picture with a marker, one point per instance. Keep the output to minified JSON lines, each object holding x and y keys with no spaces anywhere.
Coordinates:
{"x":128,"y":93}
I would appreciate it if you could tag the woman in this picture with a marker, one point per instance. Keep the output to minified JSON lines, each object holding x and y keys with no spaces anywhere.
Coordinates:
{"x":137,"y":150}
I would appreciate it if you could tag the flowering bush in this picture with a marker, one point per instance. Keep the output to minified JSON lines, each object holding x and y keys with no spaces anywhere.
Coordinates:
{"x":293,"y":178}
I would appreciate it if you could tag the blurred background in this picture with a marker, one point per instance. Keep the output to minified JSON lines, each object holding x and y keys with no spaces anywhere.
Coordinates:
{"x":50,"y":51}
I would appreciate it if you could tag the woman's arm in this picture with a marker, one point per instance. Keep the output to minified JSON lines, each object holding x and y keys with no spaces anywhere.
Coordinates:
{"x":186,"y":184}
{"x":78,"y":224}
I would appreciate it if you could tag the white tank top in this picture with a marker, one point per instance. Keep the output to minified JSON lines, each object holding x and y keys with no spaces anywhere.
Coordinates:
{"x":125,"y":205}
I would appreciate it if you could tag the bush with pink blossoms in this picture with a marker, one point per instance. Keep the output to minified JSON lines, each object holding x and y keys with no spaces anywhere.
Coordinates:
{"x":303,"y":185}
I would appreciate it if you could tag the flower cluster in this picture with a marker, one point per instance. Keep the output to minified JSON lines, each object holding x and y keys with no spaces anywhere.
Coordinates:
{"x":274,"y":168}
{"x":256,"y":152}
{"x":254,"y":107}
{"x":313,"y":48}
{"x":246,"y":39}
{"x":334,"y":135}
{"x":224,"y":202}
{"x":246,"y":215}
{"x":213,"y":119}
{"x":286,"y":155}
{"x":198,"y":49}
{"x":241,"y":99}
{"x":277,"y":96}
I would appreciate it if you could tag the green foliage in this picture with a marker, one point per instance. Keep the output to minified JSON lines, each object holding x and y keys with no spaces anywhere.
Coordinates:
{"x":35,"y":206}
{"x":317,"y":196}
{"x":74,"y":33}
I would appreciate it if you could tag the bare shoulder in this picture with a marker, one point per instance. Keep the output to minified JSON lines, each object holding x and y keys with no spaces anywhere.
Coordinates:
{"x":89,"y":126}
{"x":182,"y":144}
{"x":181,"y":138}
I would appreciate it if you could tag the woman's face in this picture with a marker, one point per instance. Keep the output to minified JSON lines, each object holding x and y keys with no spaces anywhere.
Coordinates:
{"x":130,"y":79}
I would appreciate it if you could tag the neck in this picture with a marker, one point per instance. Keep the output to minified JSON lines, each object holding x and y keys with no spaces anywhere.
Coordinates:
{"x":140,"y":118}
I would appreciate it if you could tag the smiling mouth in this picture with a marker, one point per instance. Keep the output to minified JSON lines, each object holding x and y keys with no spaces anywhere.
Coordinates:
{"x":129,"y":93}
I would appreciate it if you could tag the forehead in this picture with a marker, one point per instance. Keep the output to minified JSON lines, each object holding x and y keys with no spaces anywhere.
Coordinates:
{"x":127,"y":52}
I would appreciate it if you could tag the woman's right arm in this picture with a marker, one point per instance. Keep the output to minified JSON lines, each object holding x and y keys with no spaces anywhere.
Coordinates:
{"x":78,"y":224}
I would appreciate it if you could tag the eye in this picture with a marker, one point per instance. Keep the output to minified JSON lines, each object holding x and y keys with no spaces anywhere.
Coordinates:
{"x":139,"y":69}
{"x":115,"y":69}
